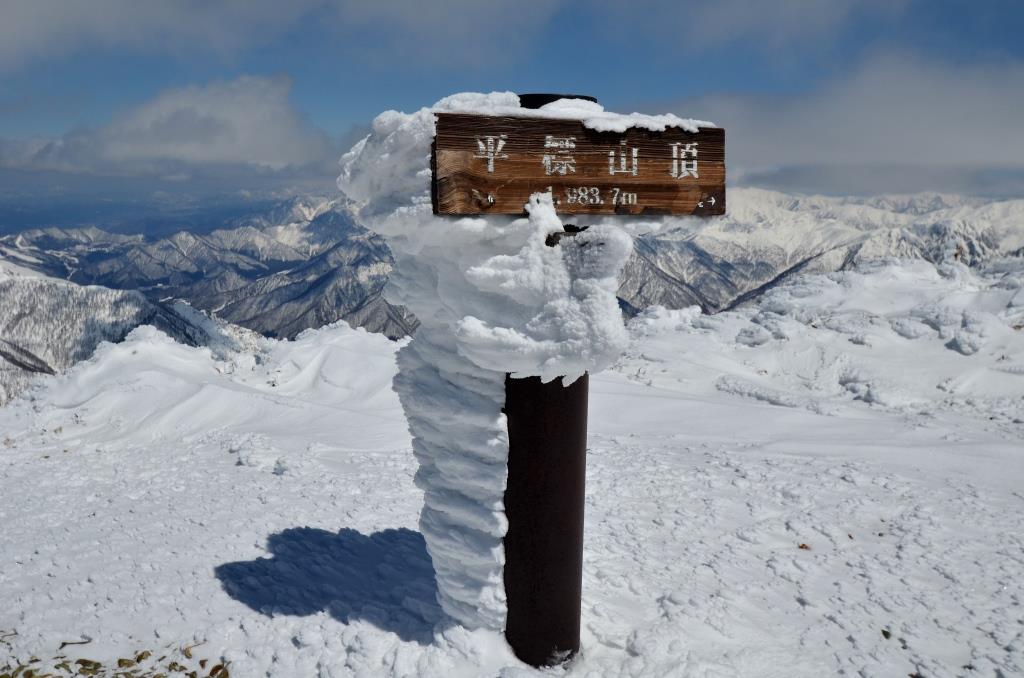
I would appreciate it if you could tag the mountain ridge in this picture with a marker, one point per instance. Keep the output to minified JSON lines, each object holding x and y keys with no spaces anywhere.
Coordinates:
{"x":306,"y":263}
{"x":235,"y":271}
{"x":48,"y":325}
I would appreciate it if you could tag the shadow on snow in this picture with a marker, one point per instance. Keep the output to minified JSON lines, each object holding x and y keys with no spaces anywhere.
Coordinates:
{"x":385,"y":579}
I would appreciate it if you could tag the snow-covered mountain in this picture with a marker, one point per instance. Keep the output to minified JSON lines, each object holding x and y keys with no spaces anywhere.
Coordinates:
{"x":48,"y":325}
{"x":303,"y":263}
{"x":768,"y":236}
{"x":823,"y":481}
{"x":306,"y":224}
{"x":343,"y":282}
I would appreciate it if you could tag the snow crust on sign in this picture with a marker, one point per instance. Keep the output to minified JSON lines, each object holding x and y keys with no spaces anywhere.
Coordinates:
{"x":492,"y":298}
{"x":259,"y":498}
{"x":590,"y":113}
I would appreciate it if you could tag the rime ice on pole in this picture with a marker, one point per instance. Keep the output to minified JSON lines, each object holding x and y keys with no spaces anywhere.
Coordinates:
{"x":492,"y":299}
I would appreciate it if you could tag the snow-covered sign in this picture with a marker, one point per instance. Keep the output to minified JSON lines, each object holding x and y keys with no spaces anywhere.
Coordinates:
{"x":485,"y":164}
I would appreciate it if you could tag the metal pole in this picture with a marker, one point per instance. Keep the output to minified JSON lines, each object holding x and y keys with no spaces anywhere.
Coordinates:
{"x":547,"y":430}
{"x":544,"y":499}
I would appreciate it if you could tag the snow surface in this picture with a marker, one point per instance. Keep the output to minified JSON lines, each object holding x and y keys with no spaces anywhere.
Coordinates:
{"x":263,"y":503}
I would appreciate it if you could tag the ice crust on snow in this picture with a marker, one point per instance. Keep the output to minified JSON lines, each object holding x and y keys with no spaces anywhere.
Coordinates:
{"x":492,"y":298}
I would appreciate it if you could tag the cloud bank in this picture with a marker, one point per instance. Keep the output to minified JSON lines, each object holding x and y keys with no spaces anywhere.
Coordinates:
{"x":465,"y":32}
{"x":896,"y":123}
{"x":772,"y":25}
{"x":441,"y":31}
{"x":45,"y":29}
{"x":893,"y":122}
{"x":247,"y":125}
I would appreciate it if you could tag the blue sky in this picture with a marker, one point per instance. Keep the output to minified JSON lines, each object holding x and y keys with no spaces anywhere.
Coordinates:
{"x":828,"y":95}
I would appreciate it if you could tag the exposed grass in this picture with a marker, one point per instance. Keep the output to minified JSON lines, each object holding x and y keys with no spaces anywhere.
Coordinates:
{"x":178,"y":662}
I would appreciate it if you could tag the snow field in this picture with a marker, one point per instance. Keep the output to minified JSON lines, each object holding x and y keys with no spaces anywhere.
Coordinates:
{"x":261,"y":501}
{"x":908,"y":502}
{"x":741,"y":561}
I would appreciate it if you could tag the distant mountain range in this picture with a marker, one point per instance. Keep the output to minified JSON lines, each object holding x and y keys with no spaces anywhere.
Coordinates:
{"x":768,"y":236}
{"x":305,"y":263}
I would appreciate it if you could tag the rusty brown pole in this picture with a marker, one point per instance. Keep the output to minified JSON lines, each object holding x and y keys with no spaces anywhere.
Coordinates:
{"x":544,"y":502}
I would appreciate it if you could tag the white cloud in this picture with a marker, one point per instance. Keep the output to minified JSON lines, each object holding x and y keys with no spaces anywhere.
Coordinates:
{"x":431,"y":31}
{"x":777,"y":28}
{"x":777,"y":23}
{"x":893,"y":111}
{"x":33,"y":29}
{"x":245,"y":122}
{"x":467,"y":32}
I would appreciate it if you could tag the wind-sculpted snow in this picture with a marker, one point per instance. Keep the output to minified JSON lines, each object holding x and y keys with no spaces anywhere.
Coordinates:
{"x":501,"y":301}
{"x":492,"y":299}
{"x":816,"y":484}
{"x":555,"y":309}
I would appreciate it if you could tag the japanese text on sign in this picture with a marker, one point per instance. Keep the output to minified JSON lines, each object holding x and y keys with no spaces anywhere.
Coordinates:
{"x":488,"y":164}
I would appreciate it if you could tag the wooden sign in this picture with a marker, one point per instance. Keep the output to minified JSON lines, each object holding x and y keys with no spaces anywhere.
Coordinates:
{"x":491,"y":165}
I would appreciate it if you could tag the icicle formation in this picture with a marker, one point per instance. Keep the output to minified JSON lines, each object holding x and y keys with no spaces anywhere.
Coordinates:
{"x":491,"y":298}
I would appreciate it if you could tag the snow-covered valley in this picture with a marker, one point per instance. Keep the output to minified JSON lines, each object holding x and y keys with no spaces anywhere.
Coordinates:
{"x":826,"y":480}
